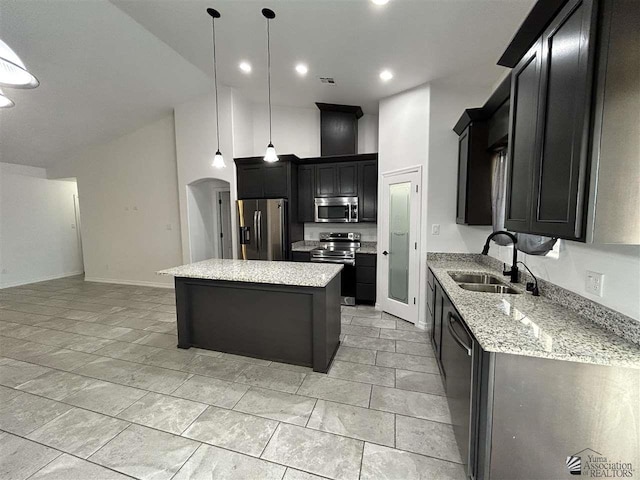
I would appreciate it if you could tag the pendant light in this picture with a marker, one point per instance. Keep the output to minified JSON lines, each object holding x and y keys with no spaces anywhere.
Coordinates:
{"x":5,"y":102}
{"x":218,"y":161}
{"x":270,"y":155}
{"x":13,"y":72}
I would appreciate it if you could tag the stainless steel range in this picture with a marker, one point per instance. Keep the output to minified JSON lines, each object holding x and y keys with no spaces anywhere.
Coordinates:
{"x":340,"y":248}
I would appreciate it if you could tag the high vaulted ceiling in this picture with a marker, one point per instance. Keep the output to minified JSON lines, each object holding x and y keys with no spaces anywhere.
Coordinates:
{"x":107,"y":68}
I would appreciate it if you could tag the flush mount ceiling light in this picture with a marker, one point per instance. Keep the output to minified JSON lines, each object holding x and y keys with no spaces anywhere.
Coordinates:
{"x":218,"y":161}
{"x":380,"y":2}
{"x":5,"y":102}
{"x":302,"y":69}
{"x":270,"y":155}
{"x":13,"y":72}
{"x":245,"y":67}
{"x":386,"y":75}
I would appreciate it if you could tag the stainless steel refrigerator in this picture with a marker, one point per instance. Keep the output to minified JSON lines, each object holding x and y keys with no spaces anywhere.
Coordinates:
{"x":263,"y":229}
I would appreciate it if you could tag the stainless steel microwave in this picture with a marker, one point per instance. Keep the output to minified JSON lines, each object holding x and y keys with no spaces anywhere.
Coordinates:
{"x":336,"y":209}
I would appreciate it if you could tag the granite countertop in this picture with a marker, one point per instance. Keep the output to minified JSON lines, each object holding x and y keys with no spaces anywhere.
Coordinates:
{"x":304,"y":246}
{"x":259,"y":271}
{"x":308,"y":245}
{"x":531,"y":326}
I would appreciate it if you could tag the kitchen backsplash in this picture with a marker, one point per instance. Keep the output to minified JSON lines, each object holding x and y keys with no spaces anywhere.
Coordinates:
{"x":369,"y":231}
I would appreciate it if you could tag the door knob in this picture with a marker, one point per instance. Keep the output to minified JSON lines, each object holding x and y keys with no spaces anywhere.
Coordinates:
{"x":385,"y":253}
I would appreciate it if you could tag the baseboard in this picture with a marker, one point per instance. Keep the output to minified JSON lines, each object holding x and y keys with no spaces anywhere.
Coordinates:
{"x":139,"y":283}
{"x":40,"y":279}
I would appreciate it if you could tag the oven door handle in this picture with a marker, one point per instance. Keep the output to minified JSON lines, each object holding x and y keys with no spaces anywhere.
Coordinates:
{"x":350,"y":262}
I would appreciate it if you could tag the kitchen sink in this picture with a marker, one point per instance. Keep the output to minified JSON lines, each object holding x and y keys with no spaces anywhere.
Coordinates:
{"x":481,"y":278}
{"x":488,"y":288}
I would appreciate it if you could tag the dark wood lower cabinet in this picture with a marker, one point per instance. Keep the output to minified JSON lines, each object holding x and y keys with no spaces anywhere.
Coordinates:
{"x":249,"y":319}
{"x":300,"y":256}
{"x":366,"y":278}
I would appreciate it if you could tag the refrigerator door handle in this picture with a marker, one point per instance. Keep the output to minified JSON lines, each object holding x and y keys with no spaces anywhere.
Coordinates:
{"x":256,"y":232}
{"x":260,"y":231}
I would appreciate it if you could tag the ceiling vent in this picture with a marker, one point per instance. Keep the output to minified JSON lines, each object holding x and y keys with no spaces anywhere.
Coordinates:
{"x":328,"y":80}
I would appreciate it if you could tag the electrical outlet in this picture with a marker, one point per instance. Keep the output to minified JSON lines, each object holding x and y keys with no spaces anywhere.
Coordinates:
{"x":594,"y":283}
{"x":435,"y":229}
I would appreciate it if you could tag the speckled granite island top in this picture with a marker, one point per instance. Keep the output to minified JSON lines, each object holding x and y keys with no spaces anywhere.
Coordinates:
{"x":259,"y":271}
{"x":531,"y":326}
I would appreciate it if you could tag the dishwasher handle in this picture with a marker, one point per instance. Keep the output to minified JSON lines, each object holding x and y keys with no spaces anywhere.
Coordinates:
{"x":450,"y":319}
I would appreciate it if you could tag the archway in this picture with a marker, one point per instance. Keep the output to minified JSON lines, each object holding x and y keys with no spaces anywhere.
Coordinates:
{"x":209,"y":219}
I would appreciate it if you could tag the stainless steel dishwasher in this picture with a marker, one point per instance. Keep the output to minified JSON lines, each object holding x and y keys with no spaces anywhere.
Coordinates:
{"x":457,"y":356}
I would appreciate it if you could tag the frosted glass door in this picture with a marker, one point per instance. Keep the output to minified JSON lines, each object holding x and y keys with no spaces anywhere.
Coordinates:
{"x":399,"y":231}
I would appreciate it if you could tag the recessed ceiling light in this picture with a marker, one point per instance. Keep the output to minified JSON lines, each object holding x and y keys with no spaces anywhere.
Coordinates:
{"x":380,"y":2}
{"x":386,"y":75}
{"x":302,"y":69}
{"x":245,"y":67}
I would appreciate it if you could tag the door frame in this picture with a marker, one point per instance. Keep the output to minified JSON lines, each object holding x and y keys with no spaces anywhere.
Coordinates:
{"x":410,"y":311}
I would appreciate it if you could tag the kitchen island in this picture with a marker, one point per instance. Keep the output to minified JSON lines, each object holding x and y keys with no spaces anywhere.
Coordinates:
{"x":280,"y":311}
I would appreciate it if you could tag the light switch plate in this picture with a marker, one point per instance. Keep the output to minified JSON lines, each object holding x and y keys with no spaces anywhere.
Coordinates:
{"x":594,"y":283}
{"x":435,"y":229}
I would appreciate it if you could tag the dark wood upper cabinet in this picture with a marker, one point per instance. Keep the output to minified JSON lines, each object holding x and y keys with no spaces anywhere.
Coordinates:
{"x":257,"y":179}
{"x":368,"y":191}
{"x":306,"y":192}
{"x":250,"y":182}
{"x":326,"y":180}
{"x":276,"y":180}
{"x":560,"y":167}
{"x":481,"y":132}
{"x":473,"y":206}
{"x":525,"y":86}
{"x":550,"y":127}
{"x":347,"y":179}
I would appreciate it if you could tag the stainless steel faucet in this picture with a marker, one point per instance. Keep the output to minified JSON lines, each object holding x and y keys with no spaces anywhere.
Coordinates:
{"x":514,"y":268}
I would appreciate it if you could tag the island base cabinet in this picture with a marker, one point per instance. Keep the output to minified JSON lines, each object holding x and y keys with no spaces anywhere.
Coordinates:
{"x":541,"y":412}
{"x":296,"y":325}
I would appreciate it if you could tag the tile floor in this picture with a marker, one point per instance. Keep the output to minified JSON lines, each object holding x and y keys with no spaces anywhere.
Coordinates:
{"x":93,"y":387}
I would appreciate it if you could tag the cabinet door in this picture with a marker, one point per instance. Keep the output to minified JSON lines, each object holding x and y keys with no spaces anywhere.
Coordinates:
{"x":300,"y":256}
{"x":463,"y":160}
{"x":326,"y":179}
{"x":250,"y":181}
{"x":347,"y":179}
{"x":275,"y":180}
{"x":306,"y":192}
{"x":525,"y":83}
{"x":368,"y":191}
{"x":563,"y":122}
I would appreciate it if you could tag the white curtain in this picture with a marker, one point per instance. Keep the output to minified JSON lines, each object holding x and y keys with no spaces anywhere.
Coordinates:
{"x":527,"y":243}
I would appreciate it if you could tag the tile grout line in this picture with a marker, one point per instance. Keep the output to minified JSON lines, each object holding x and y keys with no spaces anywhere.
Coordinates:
{"x":252,"y":415}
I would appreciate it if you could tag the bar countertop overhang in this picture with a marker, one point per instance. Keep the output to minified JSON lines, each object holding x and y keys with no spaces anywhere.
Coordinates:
{"x":297,"y":274}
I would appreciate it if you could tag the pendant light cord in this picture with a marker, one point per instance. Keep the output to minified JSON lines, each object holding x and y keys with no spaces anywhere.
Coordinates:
{"x":215,"y":79}
{"x":269,"y":74}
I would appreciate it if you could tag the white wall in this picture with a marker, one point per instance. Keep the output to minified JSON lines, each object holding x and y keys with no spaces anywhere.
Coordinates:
{"x":297,"y":130}
{"x":129,"y":205}
{"x":195,"y":137}
{"x":620,"y":265}
{"x":403,"y":140}
{"x":447,"y":104}
{"x":38,"y":236}
{"x":242,"y":122}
